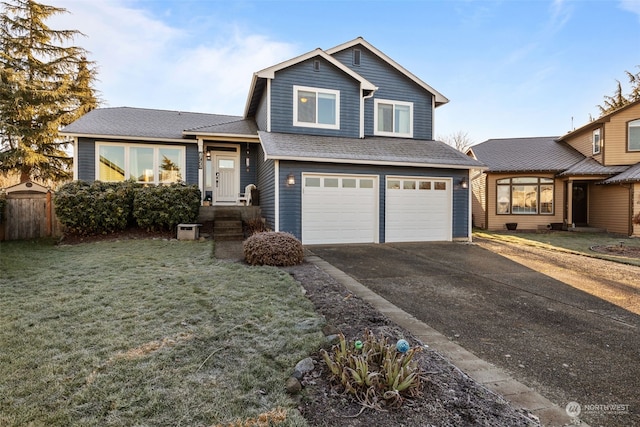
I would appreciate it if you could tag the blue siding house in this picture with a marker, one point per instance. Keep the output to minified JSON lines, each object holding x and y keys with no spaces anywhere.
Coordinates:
{"x":338,"y":142}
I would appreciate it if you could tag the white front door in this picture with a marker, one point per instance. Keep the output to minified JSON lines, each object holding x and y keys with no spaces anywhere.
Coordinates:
{"x":225,"y":176}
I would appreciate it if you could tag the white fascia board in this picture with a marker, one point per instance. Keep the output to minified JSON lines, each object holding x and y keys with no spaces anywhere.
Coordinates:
{"x":270,"y":73}
{"x":127,"y":137}
{"x":371,"y":162}
{"x":439,"y":98}
{"x":252,"y":88}
{"x":225,"y":136}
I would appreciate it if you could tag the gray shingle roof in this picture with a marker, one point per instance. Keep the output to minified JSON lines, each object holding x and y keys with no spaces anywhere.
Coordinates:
{"x":541,"y":154}
{"x":589,"y":166}
{"x":373,"y":150}
{"x":632,"y":174}
{"x":149,"y":123}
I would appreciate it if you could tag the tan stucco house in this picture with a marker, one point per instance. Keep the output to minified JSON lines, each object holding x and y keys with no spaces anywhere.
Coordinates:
{"x":588,"y":177}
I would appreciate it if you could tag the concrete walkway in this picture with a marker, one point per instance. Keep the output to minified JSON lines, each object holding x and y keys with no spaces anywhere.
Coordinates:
{"x":481,"y":371}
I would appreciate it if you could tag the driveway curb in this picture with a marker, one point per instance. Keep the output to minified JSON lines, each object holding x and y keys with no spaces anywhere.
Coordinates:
{"x":478,"y":369}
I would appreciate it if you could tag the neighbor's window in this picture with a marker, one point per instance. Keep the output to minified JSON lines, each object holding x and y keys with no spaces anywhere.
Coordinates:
{"x":524,"y":196}
{"x":393,"y":118}
{"x":316,"y":107}
{"x":141,"y":163}
{"x":634,"y":135}
{"x":595,"y":141}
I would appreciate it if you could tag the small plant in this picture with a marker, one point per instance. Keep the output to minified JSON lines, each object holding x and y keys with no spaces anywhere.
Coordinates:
{"x":256,"y":225}
{"x":374,"y":371}
{"x":273,"y":248}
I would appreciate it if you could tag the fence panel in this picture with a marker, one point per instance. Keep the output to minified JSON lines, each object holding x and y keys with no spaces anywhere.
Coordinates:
{"x":26,"y":218}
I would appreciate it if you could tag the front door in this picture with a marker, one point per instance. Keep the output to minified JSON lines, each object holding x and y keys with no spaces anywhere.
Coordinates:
{"x":579,"y":202}
{"x":225,"y":170}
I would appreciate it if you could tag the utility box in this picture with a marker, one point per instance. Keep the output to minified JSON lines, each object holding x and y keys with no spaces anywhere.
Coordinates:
{"x":189,"y":231}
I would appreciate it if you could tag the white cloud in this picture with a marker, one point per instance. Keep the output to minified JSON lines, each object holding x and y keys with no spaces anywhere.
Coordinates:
{"x":632,"y":6}
{"x":145,"y":62}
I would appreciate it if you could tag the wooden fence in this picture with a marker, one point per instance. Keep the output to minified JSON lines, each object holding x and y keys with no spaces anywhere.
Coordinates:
{"x":29,"y":213}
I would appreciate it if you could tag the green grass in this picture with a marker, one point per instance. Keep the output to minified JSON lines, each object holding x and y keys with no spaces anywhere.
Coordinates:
{"x":145,"y":332}
{"x":576,"y":242}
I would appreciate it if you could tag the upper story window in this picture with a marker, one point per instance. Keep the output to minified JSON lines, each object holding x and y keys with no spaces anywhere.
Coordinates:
{"x":524,"y":196}
{"x":393,"y":118}
{"x":318,"y":108}
{"x":633,"y":136}
{"x":141,"y":163}
{"x":595,"y":141}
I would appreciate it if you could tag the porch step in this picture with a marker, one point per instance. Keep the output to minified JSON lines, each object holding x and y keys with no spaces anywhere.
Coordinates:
{"x":227,"y":225}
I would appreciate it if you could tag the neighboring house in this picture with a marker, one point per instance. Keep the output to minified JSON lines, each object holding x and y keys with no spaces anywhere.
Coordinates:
{"x":588,"y":177}
{"x":339,"y":144}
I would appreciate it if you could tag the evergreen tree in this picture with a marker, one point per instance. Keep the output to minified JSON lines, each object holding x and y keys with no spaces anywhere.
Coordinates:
{"x":619,"y":99}
{"x":45,"y":84}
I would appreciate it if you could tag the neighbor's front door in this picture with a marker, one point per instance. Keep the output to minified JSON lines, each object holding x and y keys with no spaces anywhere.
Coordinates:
{"x":225,"y":172}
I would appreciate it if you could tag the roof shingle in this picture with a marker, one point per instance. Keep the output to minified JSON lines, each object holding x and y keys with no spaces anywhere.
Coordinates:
{"x":373,"y":150}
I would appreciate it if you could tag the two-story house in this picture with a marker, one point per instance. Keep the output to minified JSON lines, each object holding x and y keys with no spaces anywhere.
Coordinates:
{"x":338,"y":142}
{"x":588,"y":177}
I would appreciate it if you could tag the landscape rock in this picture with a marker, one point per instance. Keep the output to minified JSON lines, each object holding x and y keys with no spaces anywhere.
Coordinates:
{"x":293,"y":386}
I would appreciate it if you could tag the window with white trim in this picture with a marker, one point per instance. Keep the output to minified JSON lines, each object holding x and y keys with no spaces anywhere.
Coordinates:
{"x":318,"y":108}
{"x":524,"y":196}
{"x":393,"y":118}
{"x":633,"y":135}
{"x":595,"y":141}
{"x":150,"y":164}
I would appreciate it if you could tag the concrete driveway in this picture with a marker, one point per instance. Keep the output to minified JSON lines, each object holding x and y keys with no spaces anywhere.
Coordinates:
{"x":564,"y":343}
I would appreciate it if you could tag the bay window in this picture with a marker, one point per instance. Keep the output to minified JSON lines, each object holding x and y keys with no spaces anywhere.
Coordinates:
{"x":524,"y":196}
{"x":141,"y":163}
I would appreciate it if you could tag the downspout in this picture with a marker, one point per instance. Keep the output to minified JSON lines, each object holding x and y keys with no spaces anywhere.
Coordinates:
{"x":75,"y":158}
{"x":362,"y":99}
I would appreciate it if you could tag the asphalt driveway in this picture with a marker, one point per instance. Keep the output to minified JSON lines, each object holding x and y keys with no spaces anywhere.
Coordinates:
{"x":564,"y":343}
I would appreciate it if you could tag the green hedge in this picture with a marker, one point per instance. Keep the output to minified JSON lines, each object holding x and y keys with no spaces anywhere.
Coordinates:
{"x":102,"y":208}
{"x":164,"y":207}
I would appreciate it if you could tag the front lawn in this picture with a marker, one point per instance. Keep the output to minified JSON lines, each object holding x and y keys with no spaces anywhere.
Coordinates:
{"x":146,"y":332}
{"x":576,"y":242}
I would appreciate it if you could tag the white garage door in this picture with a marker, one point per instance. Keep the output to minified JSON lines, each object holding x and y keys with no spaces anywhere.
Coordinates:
{"x":418,"y":209}
{"x":339,"y":209}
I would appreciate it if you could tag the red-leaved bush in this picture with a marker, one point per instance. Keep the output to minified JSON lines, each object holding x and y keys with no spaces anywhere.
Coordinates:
{"x":273,"y":248}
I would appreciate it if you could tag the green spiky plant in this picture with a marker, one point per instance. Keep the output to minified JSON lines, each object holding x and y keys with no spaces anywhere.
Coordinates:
{"x":375,"y":373}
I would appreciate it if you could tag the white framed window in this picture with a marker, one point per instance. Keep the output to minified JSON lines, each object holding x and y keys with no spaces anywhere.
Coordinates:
{"x":393,"y":118}
{"x":149,"y":164}
{"x":633,"y":135}
{"x":595,"y":141}
{"x":524,"y":196}
{"x":317,"y":108}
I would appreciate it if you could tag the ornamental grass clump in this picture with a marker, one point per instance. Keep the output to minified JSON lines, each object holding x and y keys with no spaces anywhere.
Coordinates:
{"x":273,"y":248}
{"x":374,"y":371}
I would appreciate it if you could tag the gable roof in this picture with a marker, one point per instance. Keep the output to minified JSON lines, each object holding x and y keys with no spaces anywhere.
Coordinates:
{"x":631,"y":174}
{"x":590,"y":166}
{"x":260,"y":77}
{"x":149,"y":124}
{"x":375,"y":150}
{"x":541,"y":154}
{"x":597,"y":122}
{"x":439,"y":98}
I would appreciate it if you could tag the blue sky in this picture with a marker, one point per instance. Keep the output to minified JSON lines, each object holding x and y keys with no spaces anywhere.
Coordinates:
{"x":510,"y":68}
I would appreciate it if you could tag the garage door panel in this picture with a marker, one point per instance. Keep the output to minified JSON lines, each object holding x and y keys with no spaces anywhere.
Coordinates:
{"x":333,"y":211}
{"x":417,"y":209}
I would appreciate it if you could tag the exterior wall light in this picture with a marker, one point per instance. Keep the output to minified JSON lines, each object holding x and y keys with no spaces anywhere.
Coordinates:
{"x":464,"y":183}
{"x":291,"y":180}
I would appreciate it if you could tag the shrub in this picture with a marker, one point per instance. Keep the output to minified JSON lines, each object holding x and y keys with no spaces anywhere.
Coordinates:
{"x":374,"y":371}
{"x":164,"y":207}
{"x":256,"y":225}
{"x":96,"y":208}
{"x":273,"y":248}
